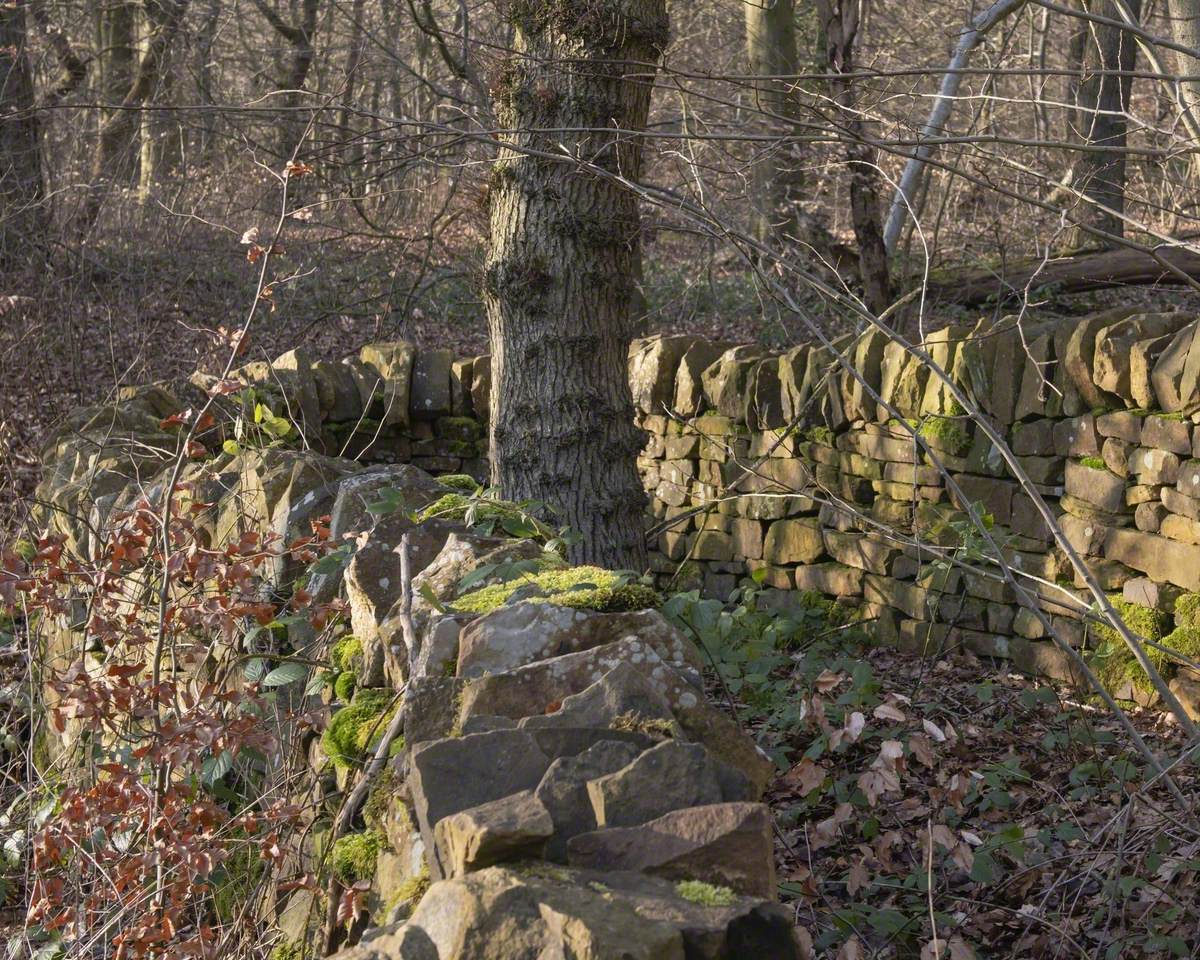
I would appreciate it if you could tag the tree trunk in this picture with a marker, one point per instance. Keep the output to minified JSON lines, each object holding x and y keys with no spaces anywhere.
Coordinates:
{"x":116,"y":147}
{"x":1101,"y":99}
{"x":116,"y":155}
{"x":300,"y":37}
{"x":559,"y":275}
{"x":1185,"y":29}
{"x":22,"y":214}
{"x":840,"y":20}
{"x":777,"y":174}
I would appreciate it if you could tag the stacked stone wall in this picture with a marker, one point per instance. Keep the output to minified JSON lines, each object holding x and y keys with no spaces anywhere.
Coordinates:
{"x":796,"y":470}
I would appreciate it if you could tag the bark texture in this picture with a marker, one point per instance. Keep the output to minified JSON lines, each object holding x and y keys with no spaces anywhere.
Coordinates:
{"x":840,"y":20}
{"x":559,"y":283}
{"x":1184,"y":17}
{"x":116,"y":155}
{"x":778,"y":176}
{"x":21,"y":193}
{"x":1101,"y":97}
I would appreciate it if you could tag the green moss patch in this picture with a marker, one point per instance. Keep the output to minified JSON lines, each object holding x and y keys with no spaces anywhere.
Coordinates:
{"x":353,"y":856}
{"x":459,"y":482}
{"x":343,"y":686}
{"x":346,"y":653}
{"x":1112,"y":660}
{"x":946,"y":433}
{"x":355,"y":730}
{"x":1093,"y":463}
{"x":705,"y":894}
{"x":1184,"y":641}
{"x":585,"y":588}
{"x":1187,"y":610}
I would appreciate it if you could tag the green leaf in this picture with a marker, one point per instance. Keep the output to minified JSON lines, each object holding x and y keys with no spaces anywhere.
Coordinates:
{"x":284,"y":674}
{"x":317,"y":682}
{"x":983,"y":870}
{"x":214,"y":768}
{"x":430,"y":597}
{"x":255,"y":669}
{"x":231,"y":447}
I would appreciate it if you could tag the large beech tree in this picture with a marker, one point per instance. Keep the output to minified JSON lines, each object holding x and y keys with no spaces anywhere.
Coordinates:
{"x":560,"y":278}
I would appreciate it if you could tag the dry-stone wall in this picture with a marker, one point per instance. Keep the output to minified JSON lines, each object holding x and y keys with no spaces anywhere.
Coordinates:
{"x":562,"y":776}
{"x":793,"y":469}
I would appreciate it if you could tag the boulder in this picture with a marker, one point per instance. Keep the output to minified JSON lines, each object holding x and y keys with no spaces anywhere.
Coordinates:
{"x":671,"y":776}
{"x":384,"y":389}
{"x":522,"y":633}
{"x":513,"y":827}
{"x":622,"y":697}
{"x":653,"y":363}
{"x":689,"y":387}
{"x":564,"y":791}
{"x":540,"y":913}
{"x":726,"y":844}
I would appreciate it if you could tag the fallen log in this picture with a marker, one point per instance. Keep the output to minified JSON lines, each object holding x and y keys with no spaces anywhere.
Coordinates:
{"x":1076,"y":273}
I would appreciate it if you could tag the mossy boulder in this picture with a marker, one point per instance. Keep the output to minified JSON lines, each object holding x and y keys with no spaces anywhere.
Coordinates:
{"x":584,"y":588}
{"x":353,"y":856}
{"x":356,"y":729}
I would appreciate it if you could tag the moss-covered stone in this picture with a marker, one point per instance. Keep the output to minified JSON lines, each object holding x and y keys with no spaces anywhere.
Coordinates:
{"x":1183,"y":640}
{"x":585,"y":588}
{"x":459,"y":481}
{"x":346,"y":653}
{"x":343,"y":686}
{"x":1187,"y":610}
{"x":946,"y":433}
{"x":410,"y":891}
{"x":356,"y":729}
{"x":1113,"y":661}
{"x":353,"y":856}
{"x":289,"y":950}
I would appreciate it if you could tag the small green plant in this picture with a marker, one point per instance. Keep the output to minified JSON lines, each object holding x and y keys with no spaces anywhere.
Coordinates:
{"x":258,"y":426}
{"x":353,"y":856}
{"x":763,"y":655}
{"x":1093,"y":463}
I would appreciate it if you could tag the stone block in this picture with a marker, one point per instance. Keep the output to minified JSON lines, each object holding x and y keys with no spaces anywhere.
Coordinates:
{"x":1167,"y":433}
{"x":794,"y":541}
{"x":429,"y":394}
{"x":728,"y":844}
{"x":653,"y":364}
{"x":713,"y":545}
{"x":384,"y":388}
{"x":1154,"y":466}
{"x":1096,"y":486}
{"x":747,"y":539}
{"x":1166,"y":561}
{"x":689,"y":389}
{"x":832,"y":579}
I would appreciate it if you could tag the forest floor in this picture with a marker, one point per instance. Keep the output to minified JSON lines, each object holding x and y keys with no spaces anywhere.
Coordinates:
{"x":1050,"y":839}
